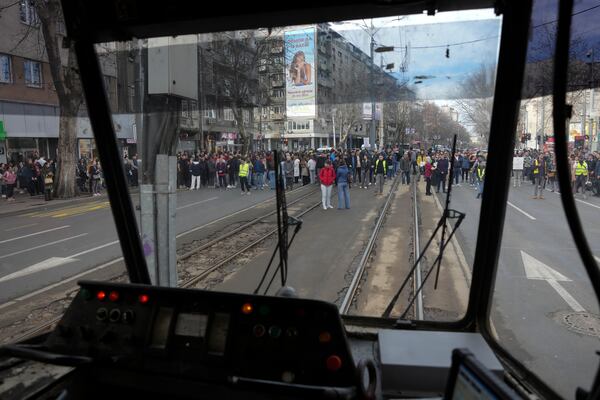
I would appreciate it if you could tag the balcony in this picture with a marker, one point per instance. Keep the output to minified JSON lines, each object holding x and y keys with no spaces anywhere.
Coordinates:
{"x":277,"y":83}
{"x":276,"y":116}
{"x":276,"y":49}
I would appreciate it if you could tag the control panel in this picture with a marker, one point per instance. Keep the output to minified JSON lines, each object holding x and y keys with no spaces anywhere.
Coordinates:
{"x":206,"y":335}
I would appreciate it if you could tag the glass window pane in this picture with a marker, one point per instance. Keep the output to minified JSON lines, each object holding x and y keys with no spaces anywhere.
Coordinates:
{"x":544,"y":310}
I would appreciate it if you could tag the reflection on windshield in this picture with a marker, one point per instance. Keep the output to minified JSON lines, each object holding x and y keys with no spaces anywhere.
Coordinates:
{"x":543,"y":294}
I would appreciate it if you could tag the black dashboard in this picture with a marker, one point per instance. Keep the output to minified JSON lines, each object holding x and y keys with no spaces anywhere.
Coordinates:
{"x":127,"y":334}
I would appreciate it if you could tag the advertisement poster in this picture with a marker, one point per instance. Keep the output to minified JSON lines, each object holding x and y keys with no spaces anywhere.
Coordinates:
{"x":366,"y":113}
{"x":300,"y":73}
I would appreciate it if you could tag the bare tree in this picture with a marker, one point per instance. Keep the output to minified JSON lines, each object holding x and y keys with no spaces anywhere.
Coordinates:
{"x":48,"y":25}
{"x":477,"y":98}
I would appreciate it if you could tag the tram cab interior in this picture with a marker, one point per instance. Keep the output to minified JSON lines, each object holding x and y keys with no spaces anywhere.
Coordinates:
{"x":181,"y":343}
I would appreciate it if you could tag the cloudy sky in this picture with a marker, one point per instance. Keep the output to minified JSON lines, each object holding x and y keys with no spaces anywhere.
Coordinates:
{"x":472,"y":38}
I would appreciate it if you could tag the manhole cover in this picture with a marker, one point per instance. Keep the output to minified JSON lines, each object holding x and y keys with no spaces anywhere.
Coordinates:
{"x":583,"y":322}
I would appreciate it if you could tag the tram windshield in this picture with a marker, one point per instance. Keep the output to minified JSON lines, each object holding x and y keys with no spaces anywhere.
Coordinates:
{"x":369,"y":123}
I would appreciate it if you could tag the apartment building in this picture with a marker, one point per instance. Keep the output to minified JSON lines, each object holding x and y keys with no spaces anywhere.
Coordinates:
{"x":29,"y":108}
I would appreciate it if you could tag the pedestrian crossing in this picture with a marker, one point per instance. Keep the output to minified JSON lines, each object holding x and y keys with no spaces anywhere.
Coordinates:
{"x":70,"y":211}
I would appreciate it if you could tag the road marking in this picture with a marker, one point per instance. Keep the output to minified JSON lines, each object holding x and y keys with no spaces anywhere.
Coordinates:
{"x":217,"y":220}
{"x":34,"y":234}
{"x":518,"y":209}
{"x":62,"y":282}
{"x":42,"y":245}
{"x":52,"y":262}
{"x":71,"y":211}
{"x":196,"y":203}
{"x":581,"y":201}
{"x":20,"y":227}
{"x":94,"y":249}
{"x":537,"y":270}
{"x":589,"y":204}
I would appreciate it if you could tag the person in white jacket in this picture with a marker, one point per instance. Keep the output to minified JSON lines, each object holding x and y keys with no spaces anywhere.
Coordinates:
{"x":312,"y":169}
{"x":296,"y":168}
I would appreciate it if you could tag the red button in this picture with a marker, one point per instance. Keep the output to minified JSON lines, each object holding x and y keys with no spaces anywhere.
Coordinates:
{"x":334,"y":363}
{"x":101,"y":295}
{"x":113,"y":296}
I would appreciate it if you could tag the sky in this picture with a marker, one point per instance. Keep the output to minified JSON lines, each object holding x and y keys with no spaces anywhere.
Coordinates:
{"x":451,"y":30}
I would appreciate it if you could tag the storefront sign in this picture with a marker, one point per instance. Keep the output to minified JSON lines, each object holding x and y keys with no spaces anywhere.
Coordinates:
{"x":2,"y":131}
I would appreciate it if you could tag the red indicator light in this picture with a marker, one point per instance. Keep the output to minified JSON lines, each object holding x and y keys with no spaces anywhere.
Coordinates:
{"x":113,"y":296}
{"x":325,"y":337}
{"x":247,"y":308}
{"x":334,"y":363}
{"x":101,"y":295}
{"x":143,"y":298}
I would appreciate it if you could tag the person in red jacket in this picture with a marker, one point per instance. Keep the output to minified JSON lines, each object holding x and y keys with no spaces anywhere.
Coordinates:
{"x":327,"y":178}
{"x":428,"y":173}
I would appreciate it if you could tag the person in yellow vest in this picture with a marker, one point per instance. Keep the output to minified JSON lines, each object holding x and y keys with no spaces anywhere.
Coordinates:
{"x":539,"y":176}
{"x":380,"y":170}
{"x":581,"y":175}
{"x":480,"y":175}
{"x":244,"y":173}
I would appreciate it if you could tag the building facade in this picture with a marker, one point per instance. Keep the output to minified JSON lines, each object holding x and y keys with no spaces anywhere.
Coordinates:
{"x":29,"y":106}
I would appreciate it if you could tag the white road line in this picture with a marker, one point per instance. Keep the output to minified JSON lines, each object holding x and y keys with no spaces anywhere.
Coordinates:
{"x":566,"y":296}
{"x":34,"y":234}
{"x":62,"y":282}
{"x":52,"y":262}
{"x":20,"y":227}
{"x":581,"y":201}
{"x":196,"y":203}
{"x":523,"y":212}
{"x":217,"y":220}
{"x":42,"y":245}
{"x":93,"y":249}
{"x":589,"y":204}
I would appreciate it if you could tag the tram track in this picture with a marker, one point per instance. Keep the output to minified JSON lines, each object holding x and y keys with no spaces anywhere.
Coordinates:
{"x":353,"y":289}
{"x":191,"y":281}
{"x":353,"y":292}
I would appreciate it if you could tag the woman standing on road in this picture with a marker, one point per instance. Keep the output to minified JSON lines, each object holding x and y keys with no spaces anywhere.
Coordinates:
{"x":327,"y":178}
{"x":427,"y":173}
{"x":343,"y":173}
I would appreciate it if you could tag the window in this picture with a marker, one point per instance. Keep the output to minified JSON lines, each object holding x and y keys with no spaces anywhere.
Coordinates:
{"x":28,"y":14}
{"x":277,"y":93}
{"x":265,"y":112}
{"x":298,"y":125}
{"x":185,"y":109}
{"x":210,"y":113}
{"x":246,"y":116}
{"x":228,"y":114}
{"x":5,"y":69}
{"x":33,"y":73}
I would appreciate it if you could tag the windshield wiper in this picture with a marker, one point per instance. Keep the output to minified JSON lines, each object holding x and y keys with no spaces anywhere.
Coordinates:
{"x":284,"y":221}
{"x":447,"y":214}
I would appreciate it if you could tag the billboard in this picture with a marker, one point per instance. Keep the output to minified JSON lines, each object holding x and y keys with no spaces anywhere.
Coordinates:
{"x":366,"y":111}
{"x":300,"y":73}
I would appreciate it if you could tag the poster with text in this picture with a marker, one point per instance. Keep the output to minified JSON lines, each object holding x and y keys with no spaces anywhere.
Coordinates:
{"x":300,"y":73}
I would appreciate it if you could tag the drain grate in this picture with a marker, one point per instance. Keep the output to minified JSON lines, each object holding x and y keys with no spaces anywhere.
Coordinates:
{"x":583,"y":322}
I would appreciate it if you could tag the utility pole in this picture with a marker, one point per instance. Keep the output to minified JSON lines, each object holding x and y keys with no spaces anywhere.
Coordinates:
{"x":333,"y":120}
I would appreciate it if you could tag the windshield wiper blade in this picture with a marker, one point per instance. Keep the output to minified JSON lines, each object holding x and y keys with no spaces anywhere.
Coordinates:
{"x":284,"y":221}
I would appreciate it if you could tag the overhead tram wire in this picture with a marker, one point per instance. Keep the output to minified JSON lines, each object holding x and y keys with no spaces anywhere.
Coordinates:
{"x":495,"y":36}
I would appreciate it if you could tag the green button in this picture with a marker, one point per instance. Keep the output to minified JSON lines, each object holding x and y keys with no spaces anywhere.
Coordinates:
{"x":87,"y":295}
{"x":264,"y":310}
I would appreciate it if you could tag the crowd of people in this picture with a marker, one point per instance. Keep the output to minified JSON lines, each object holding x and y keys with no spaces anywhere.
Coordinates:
{"x":342,"y":168}
{"x":34,"y":176}
{"x":539,"y":167}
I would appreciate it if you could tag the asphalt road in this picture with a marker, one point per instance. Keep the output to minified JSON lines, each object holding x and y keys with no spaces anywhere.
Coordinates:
{"x":43,"y":247}
{"x":540,"y":285}
{"x":529,"y":310}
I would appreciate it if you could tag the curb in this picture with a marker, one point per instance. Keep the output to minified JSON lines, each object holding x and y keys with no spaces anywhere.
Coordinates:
{"x":53,"y":205}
